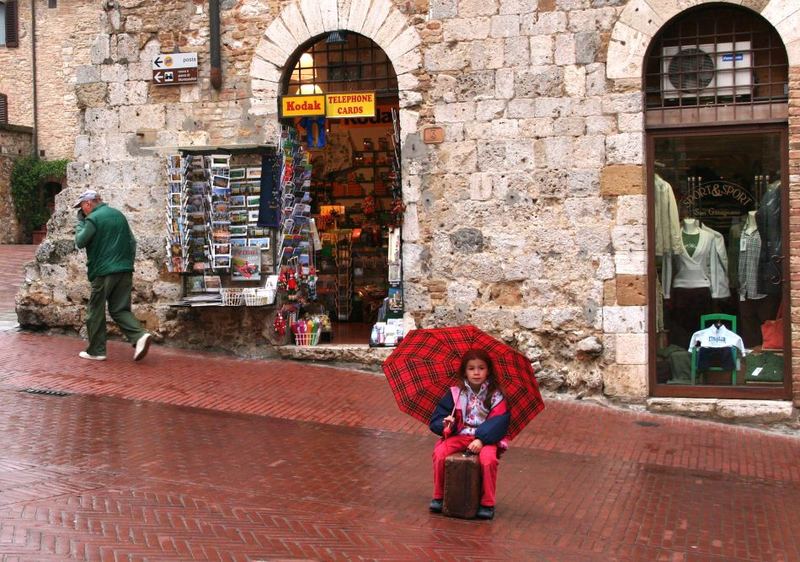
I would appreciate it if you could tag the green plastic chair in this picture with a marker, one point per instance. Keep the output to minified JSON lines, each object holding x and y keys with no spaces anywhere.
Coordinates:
{"x":705,"y":321}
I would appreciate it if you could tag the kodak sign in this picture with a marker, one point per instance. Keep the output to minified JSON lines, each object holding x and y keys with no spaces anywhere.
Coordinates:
{"x":356,"y":104}
{"x":302,"y":106}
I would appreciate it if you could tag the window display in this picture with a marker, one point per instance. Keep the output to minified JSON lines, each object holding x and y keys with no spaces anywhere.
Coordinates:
{"x":717,"y":220}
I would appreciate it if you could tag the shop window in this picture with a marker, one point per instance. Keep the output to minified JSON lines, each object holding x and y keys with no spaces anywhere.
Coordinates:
{"x":718,"y":206}
{"x":716,"y":64}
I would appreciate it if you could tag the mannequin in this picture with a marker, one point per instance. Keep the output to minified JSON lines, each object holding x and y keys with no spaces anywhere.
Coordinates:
{"x":750,"y":222}
{"x":700,"y":275}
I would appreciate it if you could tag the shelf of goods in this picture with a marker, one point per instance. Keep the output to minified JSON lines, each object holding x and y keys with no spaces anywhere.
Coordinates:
{"x":344,"y":275}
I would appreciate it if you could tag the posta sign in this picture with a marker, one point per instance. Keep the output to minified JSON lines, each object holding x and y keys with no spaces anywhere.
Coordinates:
{"x":333,"y":106}
{"x":302,"y":106}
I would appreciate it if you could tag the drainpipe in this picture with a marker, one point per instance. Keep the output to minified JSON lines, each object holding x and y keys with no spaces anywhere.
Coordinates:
{"x":35,"y":139}
{"x":216,"y":63}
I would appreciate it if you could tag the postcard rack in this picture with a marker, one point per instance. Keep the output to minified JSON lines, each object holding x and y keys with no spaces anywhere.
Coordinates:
{"x":188,"y":214}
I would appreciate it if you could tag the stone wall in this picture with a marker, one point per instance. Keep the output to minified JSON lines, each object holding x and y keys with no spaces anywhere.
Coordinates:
{"x":16,"y":78}
{"x":528,"y":221}
{"x":15,"y":141}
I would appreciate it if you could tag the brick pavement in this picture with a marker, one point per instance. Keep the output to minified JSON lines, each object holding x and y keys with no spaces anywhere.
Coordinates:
{"x":12,"y":273}
{"x":212,"y":457}
{"x":196,"y":456}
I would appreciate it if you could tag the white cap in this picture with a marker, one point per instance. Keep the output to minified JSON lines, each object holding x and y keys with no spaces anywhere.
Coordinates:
{"x":88,"y":195}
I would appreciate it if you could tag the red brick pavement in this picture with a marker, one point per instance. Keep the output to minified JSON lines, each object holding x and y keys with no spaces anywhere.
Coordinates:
{"x":328,"y":469}
{"x":12,"y":273}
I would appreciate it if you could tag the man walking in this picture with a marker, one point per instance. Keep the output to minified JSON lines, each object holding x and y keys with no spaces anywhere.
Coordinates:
{"x":110,"y":252}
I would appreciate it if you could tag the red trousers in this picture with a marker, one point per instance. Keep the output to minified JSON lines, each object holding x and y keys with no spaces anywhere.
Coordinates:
{"x":487,"y":457}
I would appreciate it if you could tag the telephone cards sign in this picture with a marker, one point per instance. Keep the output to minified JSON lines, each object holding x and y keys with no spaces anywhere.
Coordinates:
{"x":332,"y":106}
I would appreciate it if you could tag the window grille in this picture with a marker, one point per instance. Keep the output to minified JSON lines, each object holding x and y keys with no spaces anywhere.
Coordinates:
{"x":357,"y":64}
{"x":3,"y":109}
{"x":715,"y":65}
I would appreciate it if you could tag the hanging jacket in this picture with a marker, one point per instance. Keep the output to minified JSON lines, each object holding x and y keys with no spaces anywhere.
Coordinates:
{"x":768,"y":219}
{"x":668,"y":227}
{"x":706,"y":267}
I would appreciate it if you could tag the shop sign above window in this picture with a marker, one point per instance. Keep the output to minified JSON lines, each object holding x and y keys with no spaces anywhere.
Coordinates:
{"x":333,"y":106}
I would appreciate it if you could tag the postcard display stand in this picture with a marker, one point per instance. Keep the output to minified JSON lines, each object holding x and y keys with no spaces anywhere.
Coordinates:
{"x":212,"y":215}
{"x":188,"y":214}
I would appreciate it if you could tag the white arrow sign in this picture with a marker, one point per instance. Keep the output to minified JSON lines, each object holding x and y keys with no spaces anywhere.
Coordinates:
{"x":171,"y":61}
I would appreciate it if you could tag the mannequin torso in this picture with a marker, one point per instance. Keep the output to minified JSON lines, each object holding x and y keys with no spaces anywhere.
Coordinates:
{"x":750,"y":222}
{"x":690,"y":232}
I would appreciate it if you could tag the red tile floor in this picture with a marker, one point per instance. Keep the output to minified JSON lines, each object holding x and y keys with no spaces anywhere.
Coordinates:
{"x":196,"y":456}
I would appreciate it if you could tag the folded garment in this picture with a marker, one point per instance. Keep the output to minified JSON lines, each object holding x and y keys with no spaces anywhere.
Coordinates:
{"x":722,"y":357}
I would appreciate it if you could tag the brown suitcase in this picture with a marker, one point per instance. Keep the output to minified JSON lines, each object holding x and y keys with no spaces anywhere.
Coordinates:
{"x":462,"y":485}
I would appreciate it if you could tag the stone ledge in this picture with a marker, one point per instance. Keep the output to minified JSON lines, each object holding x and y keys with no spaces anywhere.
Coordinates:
{"x":362,"y":356}
{"x":737,"y":411}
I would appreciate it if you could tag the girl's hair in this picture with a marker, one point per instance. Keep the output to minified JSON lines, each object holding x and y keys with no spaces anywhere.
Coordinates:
{"x":494,"y":384}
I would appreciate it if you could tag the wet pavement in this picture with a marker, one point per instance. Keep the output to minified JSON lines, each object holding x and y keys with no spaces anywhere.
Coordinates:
{"x":196,"y":456}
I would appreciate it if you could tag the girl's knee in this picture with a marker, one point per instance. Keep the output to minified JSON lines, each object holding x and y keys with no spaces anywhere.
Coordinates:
{"x":488,"y":456}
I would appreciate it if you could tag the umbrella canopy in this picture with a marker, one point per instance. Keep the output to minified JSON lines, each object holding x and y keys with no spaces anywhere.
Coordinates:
{"x":426,"y":363}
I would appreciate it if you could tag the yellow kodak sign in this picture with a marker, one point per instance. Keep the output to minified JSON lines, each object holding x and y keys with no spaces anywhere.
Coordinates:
{"x":302,"y":106}
{"x":355,"y":104}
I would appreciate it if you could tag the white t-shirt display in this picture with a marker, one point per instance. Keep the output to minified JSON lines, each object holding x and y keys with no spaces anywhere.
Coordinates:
{"x":717,"y":337}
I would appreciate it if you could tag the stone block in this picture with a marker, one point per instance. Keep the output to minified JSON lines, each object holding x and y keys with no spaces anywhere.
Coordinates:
{"x":530,"y":318}
{"x":610,"y":292}
{"x":625,"y":148}
{"x":504,"y":26}
{"x":575,"y":81}
{"x":541,"y":50}
{"x":625,"y":381}
{"x":466,"y":29}
{"x":134,"y":118}
{"x":631,"y":349}
{"x":100,"y":51}
{"x":440,"y":57}
{"x":755,"y":411}
{"x":472,"y":8}
{"x":504,"y":83}
{"x":454,"y":112}
{"x":692,"y":407}
{"x":537,"y":82}
{"x":631,"y":209}
{"x":631,"y":290}
{"x":414,"y":256}
{"x":442,"y":9}
{"x":91,"y":95}
{"x":114,"y":73}
{"x":587,"y":44}
{"x":125,"y":49}
{"x":487,"y":54}
{"x":312,"y":17}
{"x":516,"y":51}
{"x":545,"y":23}
{"x":475,"y":85}
{"x":391,"y":29}
{"x":632,"y":263}
{"x":86,"y":74}
{"x":565,"y":49}
{"x":628,"y":238}
{"x":101,"y":120}
{"x":294,"y":22}
{"x":624,"y":319}
{"x":621,"y":180}
{"x":375,"y":17}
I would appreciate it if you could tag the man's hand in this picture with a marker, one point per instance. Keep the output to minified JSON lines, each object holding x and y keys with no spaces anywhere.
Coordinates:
{"x":81,"y":215}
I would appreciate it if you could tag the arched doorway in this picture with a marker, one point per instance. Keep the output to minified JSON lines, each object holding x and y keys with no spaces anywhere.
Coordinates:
{"x":716,"y":98}
{"x":354,"y":189}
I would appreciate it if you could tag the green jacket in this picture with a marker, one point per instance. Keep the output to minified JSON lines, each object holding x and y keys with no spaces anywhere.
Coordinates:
{"x":109,"y":242}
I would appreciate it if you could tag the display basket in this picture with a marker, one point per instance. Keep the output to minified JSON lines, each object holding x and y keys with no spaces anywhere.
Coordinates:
{"x":307,"y":339}
{"x":258,"y":297}
{"x":231,"y":296}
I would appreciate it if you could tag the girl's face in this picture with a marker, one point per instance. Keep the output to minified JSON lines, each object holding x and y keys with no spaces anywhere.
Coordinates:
{"x":477,"y":372}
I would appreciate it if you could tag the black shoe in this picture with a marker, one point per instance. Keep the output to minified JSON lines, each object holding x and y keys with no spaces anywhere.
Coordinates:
{"x":436,"y":506}
{"x":485,"y":512}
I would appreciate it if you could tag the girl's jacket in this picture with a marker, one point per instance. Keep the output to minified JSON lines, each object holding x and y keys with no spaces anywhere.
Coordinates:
{"x":489,"y":432}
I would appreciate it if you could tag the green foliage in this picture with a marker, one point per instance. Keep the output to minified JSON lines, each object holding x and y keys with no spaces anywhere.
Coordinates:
{"x":27,"y":190}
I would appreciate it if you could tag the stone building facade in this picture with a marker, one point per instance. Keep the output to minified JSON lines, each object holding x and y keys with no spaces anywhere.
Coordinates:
{"x":529,"y":220}
{"x":15,"y":141}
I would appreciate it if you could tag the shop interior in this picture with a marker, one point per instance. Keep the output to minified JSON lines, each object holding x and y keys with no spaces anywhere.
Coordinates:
{"x":719,"y":260}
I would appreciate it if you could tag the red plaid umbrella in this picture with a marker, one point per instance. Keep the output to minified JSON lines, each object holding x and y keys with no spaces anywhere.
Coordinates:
{"x":426,"y":363}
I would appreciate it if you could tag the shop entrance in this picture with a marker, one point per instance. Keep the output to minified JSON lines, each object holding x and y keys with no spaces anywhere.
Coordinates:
{"x":353,"y":190}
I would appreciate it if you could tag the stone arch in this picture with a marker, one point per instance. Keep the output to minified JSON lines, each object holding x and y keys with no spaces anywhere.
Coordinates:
{"x":641,"y":20}
{"x":303,"y":20}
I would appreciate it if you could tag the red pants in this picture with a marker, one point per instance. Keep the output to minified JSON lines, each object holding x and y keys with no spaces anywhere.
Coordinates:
{"x":487,"y":457}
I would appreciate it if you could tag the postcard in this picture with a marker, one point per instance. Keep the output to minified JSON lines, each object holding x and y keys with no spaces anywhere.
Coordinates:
{"x":238,"y":230}
{"x":222,"y":262}
{"x":237,"y":201}
{"x":254,"y":172}
{"x":246,"y":263}
{"x":238,"y":173}
{"x":262,"y":243}
{"x":252,"y":216}
{"x":238,"y":242}
{"x":253,"y":200}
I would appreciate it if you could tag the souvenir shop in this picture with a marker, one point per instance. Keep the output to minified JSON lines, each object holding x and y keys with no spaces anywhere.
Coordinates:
{"x":310,"y":227}
{"x":718,"y":210}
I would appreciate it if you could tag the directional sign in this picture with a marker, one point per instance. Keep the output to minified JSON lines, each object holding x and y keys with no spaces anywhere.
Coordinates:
{"x":175,"y":68}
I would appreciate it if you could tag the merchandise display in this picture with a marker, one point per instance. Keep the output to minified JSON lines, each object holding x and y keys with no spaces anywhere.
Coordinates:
{"x":717,"y":224}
